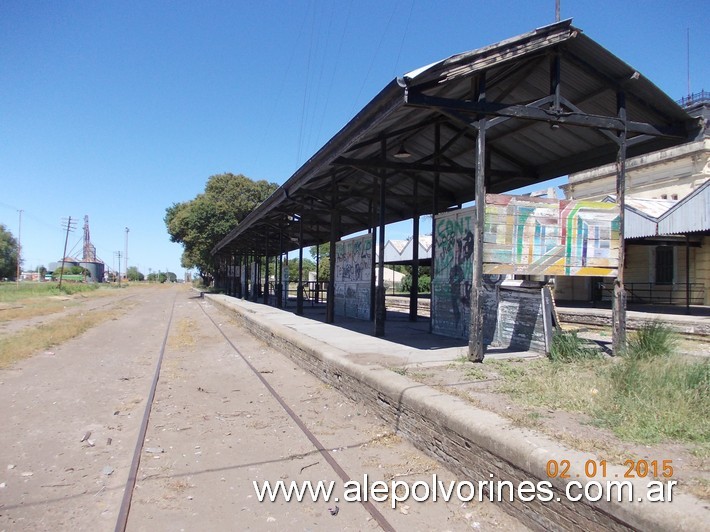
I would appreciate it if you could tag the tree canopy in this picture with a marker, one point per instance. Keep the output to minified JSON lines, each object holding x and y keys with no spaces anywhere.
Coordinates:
{"x":199,"y":224}
{"x":8,"y":254}
{"x":133,"y":274}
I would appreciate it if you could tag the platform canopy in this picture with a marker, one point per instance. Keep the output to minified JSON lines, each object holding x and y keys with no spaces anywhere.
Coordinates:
{"x":551,"y":100}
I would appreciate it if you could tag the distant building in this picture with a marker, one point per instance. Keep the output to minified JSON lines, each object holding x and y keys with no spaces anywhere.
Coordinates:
{"x":667,"y":221}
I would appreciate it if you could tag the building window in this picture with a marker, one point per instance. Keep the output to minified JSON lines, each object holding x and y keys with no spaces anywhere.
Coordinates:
{"x":664,"y":265}
{"x":674,"y":196}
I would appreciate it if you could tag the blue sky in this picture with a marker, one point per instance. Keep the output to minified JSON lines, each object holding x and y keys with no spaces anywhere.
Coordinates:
{"x":116,"y":110}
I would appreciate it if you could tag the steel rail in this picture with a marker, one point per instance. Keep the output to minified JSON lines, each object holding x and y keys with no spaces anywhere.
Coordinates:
{"x":122,"y":520}
{"x":371,"y":509}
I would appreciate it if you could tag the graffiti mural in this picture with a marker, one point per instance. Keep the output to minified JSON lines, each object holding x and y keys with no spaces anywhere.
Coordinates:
{"x":524,"y":236}
{"x":452,"y":275}
{"x":536,"y":236}
{"x":353,"y":277}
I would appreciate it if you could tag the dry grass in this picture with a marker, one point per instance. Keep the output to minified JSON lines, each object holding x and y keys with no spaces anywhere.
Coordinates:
{"x":32,"y":307}
{"x":27,"y":342}
{"x":388,"y":439}
{"x":182,"y":336}
{"x":700,"y":487}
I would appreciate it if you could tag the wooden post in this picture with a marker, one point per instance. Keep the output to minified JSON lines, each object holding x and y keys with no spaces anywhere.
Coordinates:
{"x":380,"y":310}
{"x":475,"y":333}
{"x":334,"y":222}
{"x":278,"y":272}
{"x":372,"y":231}
{"x":245,"y":292}
{"x":618,"y":312}
{"x":299,"y":289}
{"x":414,"y":290}
{"x":317,"y":295}
{"x":434,"y":212}
{"x":687,"y":273}
{"x":266,"y":273}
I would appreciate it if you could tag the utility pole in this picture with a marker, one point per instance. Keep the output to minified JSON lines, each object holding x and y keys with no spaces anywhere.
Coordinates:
{"x":557,"y":10}
{"x":118,"y":253}
{"x":19,"y":250}
{"x":126,"y":254}
{"x":69,"y":227}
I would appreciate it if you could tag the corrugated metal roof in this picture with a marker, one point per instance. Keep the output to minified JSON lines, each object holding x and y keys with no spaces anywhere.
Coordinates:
{"x":344,"y":174}
{"x":689,"y":215}
{"x":646,"y":217}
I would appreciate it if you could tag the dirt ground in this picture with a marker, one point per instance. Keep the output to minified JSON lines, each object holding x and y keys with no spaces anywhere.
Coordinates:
{"x":71,"y":416}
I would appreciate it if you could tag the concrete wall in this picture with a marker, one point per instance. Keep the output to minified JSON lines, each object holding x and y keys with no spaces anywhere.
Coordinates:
{"x":353,"y":277}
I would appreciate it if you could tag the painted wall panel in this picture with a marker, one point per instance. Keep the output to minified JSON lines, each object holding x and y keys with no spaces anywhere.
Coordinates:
{"x":353,"y":277}
{"x":537,"y":236}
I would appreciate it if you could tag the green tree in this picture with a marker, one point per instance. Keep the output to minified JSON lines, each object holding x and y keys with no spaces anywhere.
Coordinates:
{"x":8,"y":254}
{"x":134,"y":275}
{"x":308,"y":266}
{"x":323,"y":253}
{"x":70,"y":270}
{"x":199,"y":224}
{"x":424,"y":283}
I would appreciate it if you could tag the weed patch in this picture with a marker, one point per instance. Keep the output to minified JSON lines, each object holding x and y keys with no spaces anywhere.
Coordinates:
{"x":575,"y":386}
{"x":652,"y":340}
{"x":653,"y":400}
{"x":567,"y":346}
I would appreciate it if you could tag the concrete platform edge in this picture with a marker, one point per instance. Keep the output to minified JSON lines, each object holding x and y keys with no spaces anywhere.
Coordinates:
{"x":473,"y":442}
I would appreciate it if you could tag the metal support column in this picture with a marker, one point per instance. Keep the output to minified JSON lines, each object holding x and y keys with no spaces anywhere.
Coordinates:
{"x":618,"y":310}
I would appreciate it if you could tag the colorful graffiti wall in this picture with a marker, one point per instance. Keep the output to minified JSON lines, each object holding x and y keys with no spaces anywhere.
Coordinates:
{"x":353,"y":277}
{"x":535,"y":236}
{"x":524,"y":236}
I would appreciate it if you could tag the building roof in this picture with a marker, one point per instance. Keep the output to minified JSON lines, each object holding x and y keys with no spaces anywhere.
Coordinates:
{"x":401,"y":251}
{"x":646,"y":217}
{"x":536,"y":129}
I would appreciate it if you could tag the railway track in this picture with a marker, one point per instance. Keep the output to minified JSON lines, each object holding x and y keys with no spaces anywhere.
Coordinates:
{"x":122,"y":520}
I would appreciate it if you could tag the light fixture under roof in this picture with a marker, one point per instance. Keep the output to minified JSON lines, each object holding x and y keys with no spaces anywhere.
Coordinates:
{"x":402,"y":153}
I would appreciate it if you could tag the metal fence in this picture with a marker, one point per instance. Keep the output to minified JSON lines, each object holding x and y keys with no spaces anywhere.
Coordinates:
{"x":663,"y":294}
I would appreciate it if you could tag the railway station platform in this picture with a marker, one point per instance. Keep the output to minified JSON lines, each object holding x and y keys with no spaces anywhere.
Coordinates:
{"x":475,"y":443}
